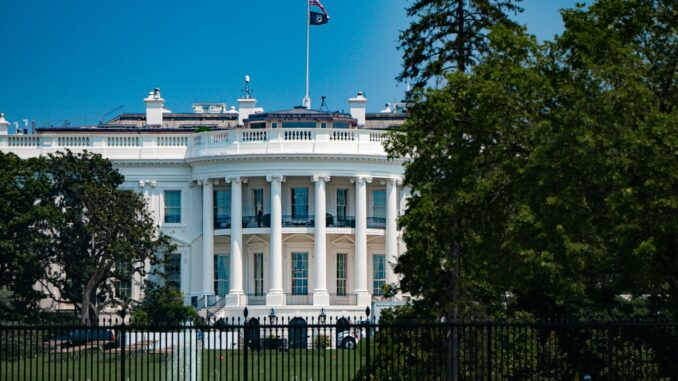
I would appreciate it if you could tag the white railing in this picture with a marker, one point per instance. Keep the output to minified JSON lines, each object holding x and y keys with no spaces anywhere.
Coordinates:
{"x":253,"y":136}
{"x":172,"y":141}
{"x":343,"y":135}
{"x":299,"y":135}
{"x":123,"y":141}
{"x":73,"y":141}
{"x":24,"y":141}
{"x":210,"y":143}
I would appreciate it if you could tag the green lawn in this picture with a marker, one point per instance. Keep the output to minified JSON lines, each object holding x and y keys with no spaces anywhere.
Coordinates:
{"x":213,"y":365}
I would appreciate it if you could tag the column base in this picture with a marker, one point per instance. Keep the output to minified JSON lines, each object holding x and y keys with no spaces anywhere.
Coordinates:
{"x":363,"y":298}
{"x":275,"y":298}
{"x":321,"y":298}
{"x":236,"y":299}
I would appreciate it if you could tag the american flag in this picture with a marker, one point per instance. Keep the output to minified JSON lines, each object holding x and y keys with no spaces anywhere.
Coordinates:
{"x":319,"y":5}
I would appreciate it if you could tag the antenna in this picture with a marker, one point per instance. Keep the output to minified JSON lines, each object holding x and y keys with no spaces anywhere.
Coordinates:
{"x":247,"y":87}
{"x":323,"y":104}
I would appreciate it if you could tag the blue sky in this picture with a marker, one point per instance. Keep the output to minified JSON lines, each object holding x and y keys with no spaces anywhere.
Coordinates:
{"x":72,"y":59}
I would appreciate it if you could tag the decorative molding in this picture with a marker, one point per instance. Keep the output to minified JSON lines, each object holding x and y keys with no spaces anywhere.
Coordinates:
{"x":316,"y":178}
{"x":235,"y":179}
{"x":277,"y":178}
{"x":361,"y":180}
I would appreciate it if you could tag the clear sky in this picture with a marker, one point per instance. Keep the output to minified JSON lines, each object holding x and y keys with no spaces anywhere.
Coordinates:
{"x":71,"y":59}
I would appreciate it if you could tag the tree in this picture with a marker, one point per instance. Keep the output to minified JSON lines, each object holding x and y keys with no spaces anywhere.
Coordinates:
{"x":24,"y":213}
{"x":99,"y":236}
{"x":449,"y":35}
{"x":551,"y":167}
{"x":163,"y":304}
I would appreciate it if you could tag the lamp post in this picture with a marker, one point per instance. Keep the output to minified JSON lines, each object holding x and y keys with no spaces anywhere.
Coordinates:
{"x":322,"y":316}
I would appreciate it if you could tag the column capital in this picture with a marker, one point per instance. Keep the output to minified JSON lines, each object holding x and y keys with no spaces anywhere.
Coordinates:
{"x":397,"y":181}
{"x":276,"y":178}
{"x":205,"y":181}
{"x":235,"y":179}
{"x":361,"y":179}
{"x":316,"y":178}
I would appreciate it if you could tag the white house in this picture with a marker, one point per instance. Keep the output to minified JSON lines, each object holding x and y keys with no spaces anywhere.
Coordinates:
{"x":290,"y":213}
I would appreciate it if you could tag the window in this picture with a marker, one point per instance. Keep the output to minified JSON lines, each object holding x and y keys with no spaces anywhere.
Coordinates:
{"x":258,"y":125}
{"x":378,"y":273}
{"x":341,"y":274}
{"x":173,"y":270}
{"x":379,"y":204}
{"x":258,"y":201}
{"x":342,"y":204}
{"x":221,"y":285}
{"x":274,"y":125}
{"x":258,"y":274}
{"x":222,"y":208}
{"x":172,"y":207}
{"x":323,"y":125}
{"x":340,"y":125}
{"x":299,"y":273}
{"x":123,"y":286}
{"x":299,"y":124}
{"x":299,"y":203}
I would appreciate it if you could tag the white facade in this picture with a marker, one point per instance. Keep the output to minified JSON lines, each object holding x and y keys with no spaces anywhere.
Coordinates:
{"x":205,"y":191}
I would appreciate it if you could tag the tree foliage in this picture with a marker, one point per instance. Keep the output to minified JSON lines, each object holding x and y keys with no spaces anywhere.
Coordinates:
{"x":163,"y":304}
{"x":553,"y":167}
{"x":100,"y":235}
{"x":449,"y":35}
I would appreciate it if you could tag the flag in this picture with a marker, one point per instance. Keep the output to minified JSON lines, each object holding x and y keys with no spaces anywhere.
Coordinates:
{"x":318,"y":18}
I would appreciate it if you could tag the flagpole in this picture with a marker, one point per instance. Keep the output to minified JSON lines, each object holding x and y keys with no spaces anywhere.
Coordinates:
{"x":307,"y":100}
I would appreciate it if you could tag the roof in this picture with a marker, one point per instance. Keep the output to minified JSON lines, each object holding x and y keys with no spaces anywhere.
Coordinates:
{"x":299,"y":112}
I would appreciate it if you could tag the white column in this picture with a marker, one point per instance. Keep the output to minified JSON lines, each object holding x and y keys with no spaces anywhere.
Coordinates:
{"x":391,"y":228}
{"x":207,"y":237}
{"x":276,"y":294}
{"x":321,"y":297}
{"x":236,"y":293}
{"x":361,"y":290}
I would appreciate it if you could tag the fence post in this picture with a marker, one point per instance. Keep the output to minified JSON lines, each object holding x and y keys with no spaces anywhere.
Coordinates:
{"x":123,"y":344}
{"x":367,"y":343}
{"x":247,"y":344}
{"x":610,"y":352}
{"x":489,"y":352}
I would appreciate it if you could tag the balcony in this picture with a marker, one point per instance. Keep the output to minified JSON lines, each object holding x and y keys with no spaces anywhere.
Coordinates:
{"x":298,"y":221}
{"x":343,"y":300}
{"x":249,"y":222}
{"x":222,"y":222}
{"x":341,"y":222}
{"x":376,"y":223}
{"x":299,"y":300}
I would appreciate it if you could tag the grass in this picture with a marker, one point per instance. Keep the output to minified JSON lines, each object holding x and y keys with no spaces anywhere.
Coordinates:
{"x":296,"y":364}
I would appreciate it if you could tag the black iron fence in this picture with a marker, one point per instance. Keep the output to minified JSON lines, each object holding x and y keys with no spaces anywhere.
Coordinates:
{"x":314,"y":348}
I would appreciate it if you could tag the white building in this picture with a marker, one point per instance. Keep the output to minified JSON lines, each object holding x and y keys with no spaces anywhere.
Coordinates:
{"x":242,"y":200}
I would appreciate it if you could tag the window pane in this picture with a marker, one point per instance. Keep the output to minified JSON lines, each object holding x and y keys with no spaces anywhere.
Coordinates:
{"x":123,"y":287}
{"x":258,"y":274}
{"x":222,"y":206}
{"x":173,"y":270}
{"x":342,"y":204}
{"x":341,"y":274}
{"x":221,"y":271}
{"x":173,"y":207}
{"x":378,"y":273}
{"x":299,"y":203}
{"x":379,"y":204}
{"x":299,"y":273}
{"x":258,"y":201}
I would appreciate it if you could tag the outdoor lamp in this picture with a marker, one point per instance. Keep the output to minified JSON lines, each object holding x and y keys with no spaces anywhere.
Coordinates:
{"x":271,"y":315}
{"x":322,"y":316}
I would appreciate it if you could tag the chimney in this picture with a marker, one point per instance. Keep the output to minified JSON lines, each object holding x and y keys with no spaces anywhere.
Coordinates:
{"x":4,"y":124}
{"x":154,"y":108}
{"x":357,"y":106}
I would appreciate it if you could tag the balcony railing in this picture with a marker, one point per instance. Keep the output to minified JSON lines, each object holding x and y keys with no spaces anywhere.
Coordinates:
{"x":257,"y":222}
{"x":256,"y":299}
{"x":222,"y":222}
{"x":299,"y":300}
{"x":341,"y":222}
{"x":376,"y":223}
{"x":298,"y":221}
{"x":343,"y":300}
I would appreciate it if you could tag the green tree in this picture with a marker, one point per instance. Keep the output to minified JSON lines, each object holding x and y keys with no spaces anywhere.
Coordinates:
{"x":24,"y":212}
{"x":163,"y":304}
{"x":552,"y":168}
{"x":99,"y":236}
{"x":449,"y":35}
